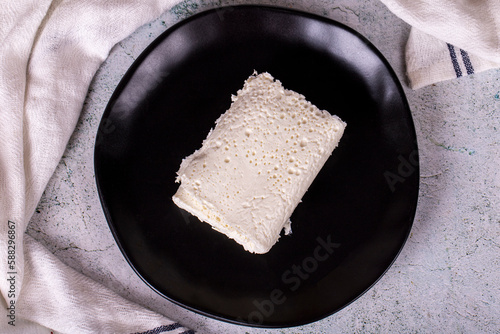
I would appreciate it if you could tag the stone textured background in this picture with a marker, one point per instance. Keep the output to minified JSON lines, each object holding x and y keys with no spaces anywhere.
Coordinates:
{"x":447,"y":278}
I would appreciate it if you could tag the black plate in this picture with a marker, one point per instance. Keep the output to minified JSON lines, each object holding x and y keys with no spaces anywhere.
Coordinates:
{"x":352,"y":222}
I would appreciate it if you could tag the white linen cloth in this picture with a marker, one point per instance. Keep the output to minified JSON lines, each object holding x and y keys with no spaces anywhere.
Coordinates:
{"x":449,"y":39}
{"x":49,"y":52}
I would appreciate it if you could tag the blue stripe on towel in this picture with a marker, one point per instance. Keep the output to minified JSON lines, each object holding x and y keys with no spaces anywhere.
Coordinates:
{"x":454,"y":60}
{"x":165,"y":328}
{"x":467,"y":62}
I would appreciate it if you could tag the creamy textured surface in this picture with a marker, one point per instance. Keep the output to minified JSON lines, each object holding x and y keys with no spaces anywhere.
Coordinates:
{"x":256,"y":164}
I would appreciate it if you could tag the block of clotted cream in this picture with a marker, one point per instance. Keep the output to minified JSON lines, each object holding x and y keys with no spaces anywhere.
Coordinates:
{"x":256,"y":164}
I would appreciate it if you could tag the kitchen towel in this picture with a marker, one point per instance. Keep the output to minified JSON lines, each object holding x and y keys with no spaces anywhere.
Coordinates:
{"x":449,"y":39}
{"x":49,"y":52}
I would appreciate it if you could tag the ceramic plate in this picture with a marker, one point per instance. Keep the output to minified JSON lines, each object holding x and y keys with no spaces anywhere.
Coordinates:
{"x":351,"y":224}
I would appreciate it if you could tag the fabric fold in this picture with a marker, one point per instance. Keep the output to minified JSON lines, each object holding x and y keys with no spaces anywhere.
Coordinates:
{"x":430,"y":60}
{"x":449,"y":39}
